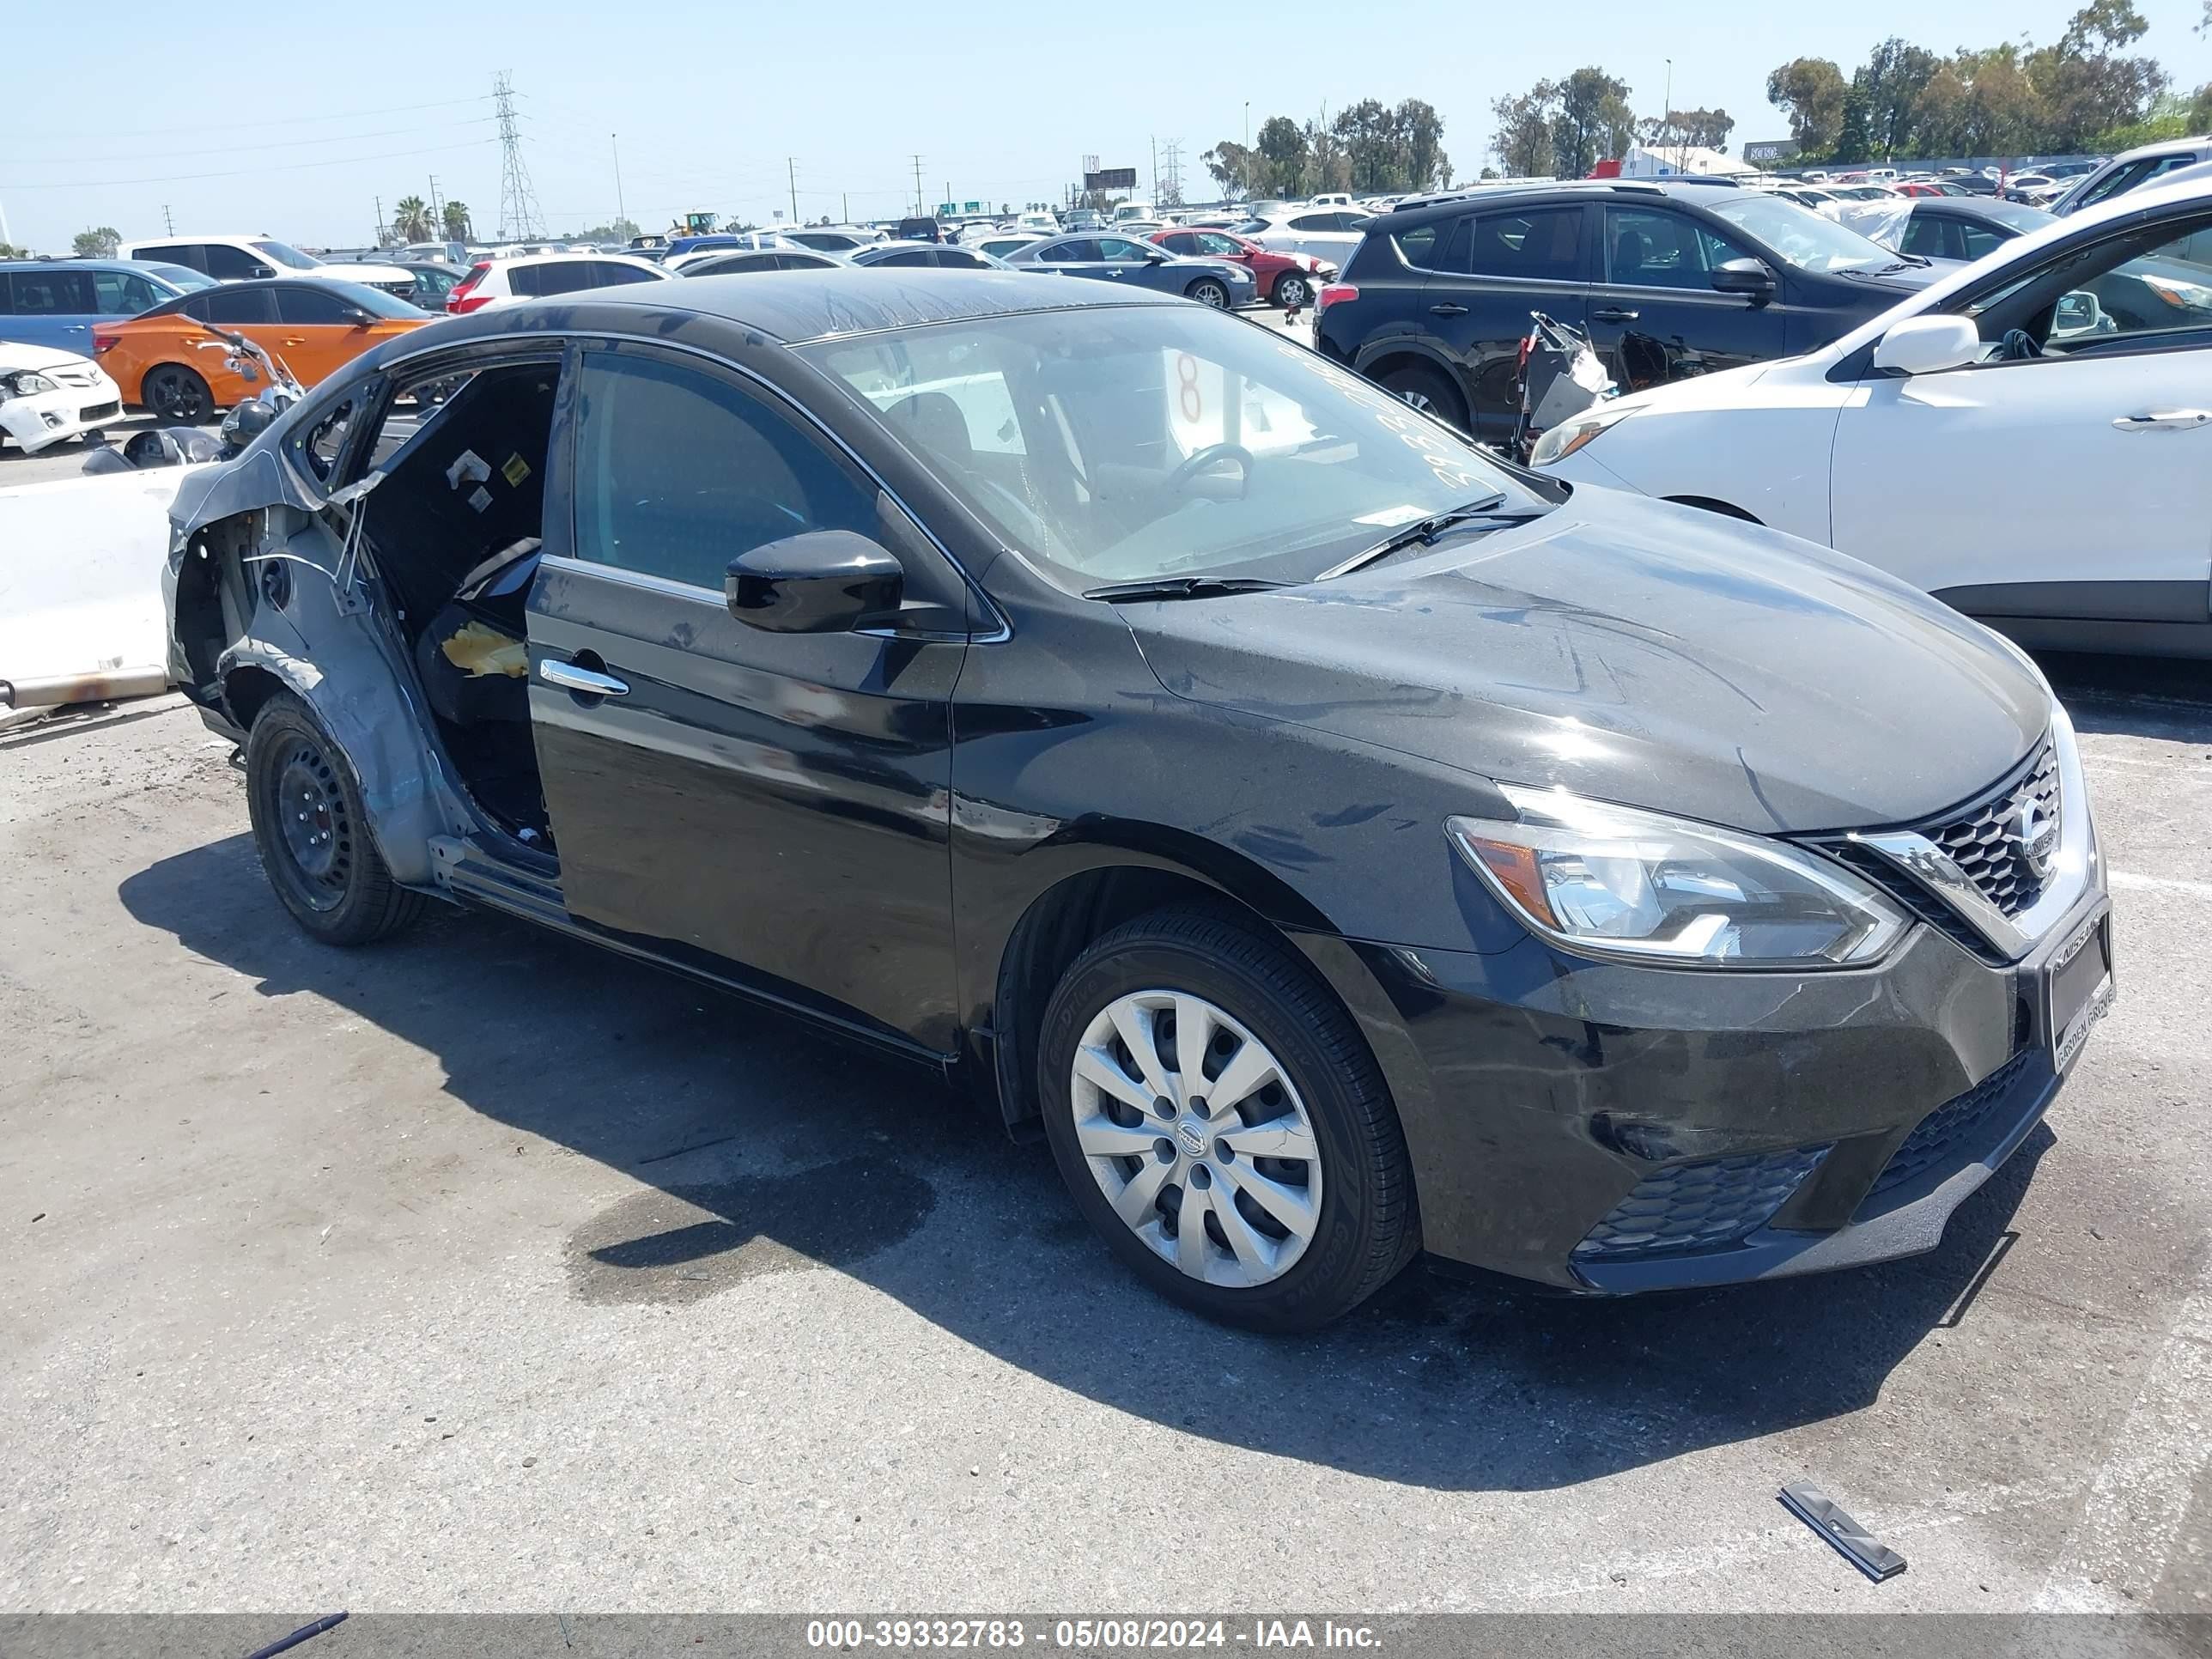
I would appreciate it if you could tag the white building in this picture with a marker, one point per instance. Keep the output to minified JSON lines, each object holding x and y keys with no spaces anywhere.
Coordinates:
{"x":1672,"y":161}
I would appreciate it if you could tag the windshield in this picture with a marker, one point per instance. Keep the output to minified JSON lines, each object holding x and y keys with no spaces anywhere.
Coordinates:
{"x":285,"y":254}
{"x":374,"y":301}
{"x":1130,"y":443}
{"x":182,"y":277}
{"x":1805,"y":239}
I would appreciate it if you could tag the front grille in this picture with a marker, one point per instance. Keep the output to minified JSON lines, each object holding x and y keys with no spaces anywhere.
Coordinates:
{"x":1986,"y":843}
{"x":1959,"y":1127}
{"x":76,"y":377}
{"x":1696,"y":1206}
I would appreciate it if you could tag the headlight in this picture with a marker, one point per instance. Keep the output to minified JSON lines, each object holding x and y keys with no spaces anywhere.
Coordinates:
{"x":2182,"y":297}
{"x":23,"y":383}
{"x":1613,"y":881}
{"x":1563,"y":439}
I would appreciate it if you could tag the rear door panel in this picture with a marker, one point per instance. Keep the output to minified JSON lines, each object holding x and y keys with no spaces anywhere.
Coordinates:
{"x":1654,"y":316}
{"x":1496,"y":268}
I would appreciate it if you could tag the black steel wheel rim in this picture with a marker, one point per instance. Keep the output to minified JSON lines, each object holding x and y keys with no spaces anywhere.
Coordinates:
{"x":314,"y":831}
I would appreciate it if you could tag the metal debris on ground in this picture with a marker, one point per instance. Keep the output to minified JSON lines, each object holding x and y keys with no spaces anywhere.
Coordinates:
{"x":1852,"y":1541}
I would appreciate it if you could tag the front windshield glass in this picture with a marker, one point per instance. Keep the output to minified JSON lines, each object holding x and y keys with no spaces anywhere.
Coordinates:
{"x":182,"y":277}
{"x":375,"y":301}
{"x":285,"y":254}
{"x":1806,"y":239}
{"x":1144,"y":442}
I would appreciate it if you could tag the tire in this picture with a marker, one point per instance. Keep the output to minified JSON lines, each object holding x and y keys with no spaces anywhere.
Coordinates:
{"x":1326,"y":1113}
{"x":1292,"y":291}
{"x":1427,"y":388}
{"x":322,"y":860}
{"x":177,"y":395}
{"x":1209,"y":292}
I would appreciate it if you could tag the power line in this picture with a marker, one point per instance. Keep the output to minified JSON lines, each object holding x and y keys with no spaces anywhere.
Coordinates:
{"x":249,"y":173}
{"x":519,"y":217}
{"x":287,"y":120}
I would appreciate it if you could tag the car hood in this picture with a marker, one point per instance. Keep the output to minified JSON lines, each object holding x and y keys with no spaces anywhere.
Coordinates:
{"x":358,"y":273}
{"x":1635,"y":652}
{"x":1896,"y":284}
{"x":14,"y":356}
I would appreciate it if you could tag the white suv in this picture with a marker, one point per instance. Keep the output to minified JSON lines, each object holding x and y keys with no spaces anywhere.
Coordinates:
{"x":1904,"y":443}
{"x":504,"y":281}
{"x":242,"y":259}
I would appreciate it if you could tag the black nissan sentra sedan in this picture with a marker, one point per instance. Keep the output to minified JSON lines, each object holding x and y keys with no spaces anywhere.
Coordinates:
{"x":1342,"y":846}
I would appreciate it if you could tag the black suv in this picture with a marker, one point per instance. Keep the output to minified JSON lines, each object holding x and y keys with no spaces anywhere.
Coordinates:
{"x":1670,"y":280}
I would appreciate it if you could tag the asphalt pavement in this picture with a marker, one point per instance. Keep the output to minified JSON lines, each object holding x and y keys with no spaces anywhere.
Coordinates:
{"x":484,"y":1271}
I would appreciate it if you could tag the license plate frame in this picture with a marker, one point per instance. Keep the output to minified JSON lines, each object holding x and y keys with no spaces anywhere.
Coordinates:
{"x":2077,"y":986}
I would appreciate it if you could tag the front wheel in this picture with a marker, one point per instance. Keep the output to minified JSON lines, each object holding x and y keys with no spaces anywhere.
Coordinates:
{"x":1428,"y":390}
{"x":1207,"y":292}
{"x":1292,"y":291}
{"x":313,"y":833}
{"x":177,"y":395}
{"x":1218,"y":1119}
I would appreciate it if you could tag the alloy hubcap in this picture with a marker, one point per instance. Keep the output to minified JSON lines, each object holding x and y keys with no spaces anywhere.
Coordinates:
{"x":1196,"y":1136}
{"x":1211,"y":295}
{"x":1419,"y":400}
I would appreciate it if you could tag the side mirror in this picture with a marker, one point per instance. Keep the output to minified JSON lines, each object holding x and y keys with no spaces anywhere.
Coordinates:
{"x":1749,"y":277}
{"x":359,"y":318}
{"x":1928,"y":345}
{"x":264,"y":270}
{"x":1156,"y":256}
{"x":825,"y":581}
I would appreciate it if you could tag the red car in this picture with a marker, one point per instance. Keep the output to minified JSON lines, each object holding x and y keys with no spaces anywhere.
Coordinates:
{"x":1291,"y":280}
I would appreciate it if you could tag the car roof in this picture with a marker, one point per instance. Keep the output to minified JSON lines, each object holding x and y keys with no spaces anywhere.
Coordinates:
{"x":147,"y":265}
{"x":566,"y":258}
{"x":1564,"y":190}
{"x":797,"y":305}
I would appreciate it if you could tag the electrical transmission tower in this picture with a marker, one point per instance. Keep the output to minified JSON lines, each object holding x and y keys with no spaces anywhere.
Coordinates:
{"x":519,"y":218}
{"x":1172,"y":190}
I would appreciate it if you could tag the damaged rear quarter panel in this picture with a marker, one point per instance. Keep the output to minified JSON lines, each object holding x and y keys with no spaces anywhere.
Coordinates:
{"x":344,"y":662}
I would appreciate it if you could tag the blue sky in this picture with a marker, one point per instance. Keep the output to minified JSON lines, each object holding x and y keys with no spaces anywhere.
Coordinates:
{"x":313,"y":112}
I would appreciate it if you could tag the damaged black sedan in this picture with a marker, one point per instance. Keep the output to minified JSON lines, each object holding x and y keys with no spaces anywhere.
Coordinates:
{"x":1341,"y":845}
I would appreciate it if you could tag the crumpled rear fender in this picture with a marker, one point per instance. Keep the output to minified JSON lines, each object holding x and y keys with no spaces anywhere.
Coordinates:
{"x":342,"y":658}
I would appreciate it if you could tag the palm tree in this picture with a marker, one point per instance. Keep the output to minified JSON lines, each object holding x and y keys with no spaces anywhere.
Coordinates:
{"x":410,"y":219}
{"x":456,"y":221}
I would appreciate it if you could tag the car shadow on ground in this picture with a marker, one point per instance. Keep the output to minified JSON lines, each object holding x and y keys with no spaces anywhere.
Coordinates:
{"x":763,"y":1147}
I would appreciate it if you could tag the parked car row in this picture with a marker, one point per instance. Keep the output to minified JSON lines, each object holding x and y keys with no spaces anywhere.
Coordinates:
{"x":1043,"y":683}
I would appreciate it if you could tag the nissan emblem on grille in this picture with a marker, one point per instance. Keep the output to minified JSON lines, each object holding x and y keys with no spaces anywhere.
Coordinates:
{"x":2008,"y":846}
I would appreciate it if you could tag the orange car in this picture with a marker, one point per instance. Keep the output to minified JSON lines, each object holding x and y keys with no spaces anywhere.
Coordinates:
{"x":164,"y":360}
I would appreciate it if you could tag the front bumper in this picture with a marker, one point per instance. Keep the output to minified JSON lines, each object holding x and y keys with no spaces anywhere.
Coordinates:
{"x":69,"y":411}
{"x":1610,"y":1129}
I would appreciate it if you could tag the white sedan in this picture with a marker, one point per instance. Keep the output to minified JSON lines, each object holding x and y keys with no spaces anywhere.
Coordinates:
{"x":47,"y":395}
{"x":1902,"y":443}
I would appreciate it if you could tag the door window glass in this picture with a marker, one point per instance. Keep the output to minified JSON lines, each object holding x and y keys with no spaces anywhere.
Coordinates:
{"x":1927,"y":236}
{"x":1314,"y":221}
{"x":188,"y":254}
{"x":1418,"y":246}
{"x":232,"y":306}
{"x":604,"y":273}
{"x":912,"y":256}
{"x":304,"y":304}
{"x":1645,"y":249}
{"x":1536,"y":246}
{"x":1226,"y":247}
{"x":677,"y":472}
{"x":1181,"y":241}
{"x":52,"y":292}
{"x":526,"y":281}
{"x":1975,"y":240}
{"x":230,"y":265}
{"x":1122,"y":249}
{"x":2141,"y":289}
{"x":124,"y":292}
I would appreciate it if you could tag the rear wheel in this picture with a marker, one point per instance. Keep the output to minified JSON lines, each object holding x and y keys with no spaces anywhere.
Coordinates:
{"x":176,"y":396}
{"x":313,"y":833}
{"x":1427,"y":389}
{"x":1292,"y":291}
{"x":1209,"y":292}
{"x":1218,"y":1121}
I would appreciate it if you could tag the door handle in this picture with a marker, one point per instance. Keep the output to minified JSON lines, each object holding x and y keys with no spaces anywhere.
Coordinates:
{"x":294,"y":340}
{"x":584,"y":682}
{"x":1448,"y":310}
{"x":1614,"y":314}
{"x":2164,"y":419}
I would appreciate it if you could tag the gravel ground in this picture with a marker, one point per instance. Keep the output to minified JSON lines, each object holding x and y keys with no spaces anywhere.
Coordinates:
{"x":483,"y":1270}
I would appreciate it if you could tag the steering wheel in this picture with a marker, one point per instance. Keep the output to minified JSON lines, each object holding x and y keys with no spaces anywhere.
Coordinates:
{"x":1206,"y":458}
{"x":2017,"y":345}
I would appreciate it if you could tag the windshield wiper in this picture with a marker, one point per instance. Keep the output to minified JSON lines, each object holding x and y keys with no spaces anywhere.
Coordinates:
{"x":1180,"y":587}
{"x":1422,"y":531}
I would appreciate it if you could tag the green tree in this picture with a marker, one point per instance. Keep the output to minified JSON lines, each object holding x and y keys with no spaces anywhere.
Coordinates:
{"x":410,"y":219}
{"x":97,"y":243}
{"x":1421,"y":139}
{"x":1232,"y":166}
{"x":1592,"y":113}
{"x":1523,"y":139}
{"x":1368,"y":139}
{"x":1883,"y":98}
{"x":1810,"y":91}
{"x":1284,"y":156}
{"x":457,"y":226}
{"x":2089,"y":84}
